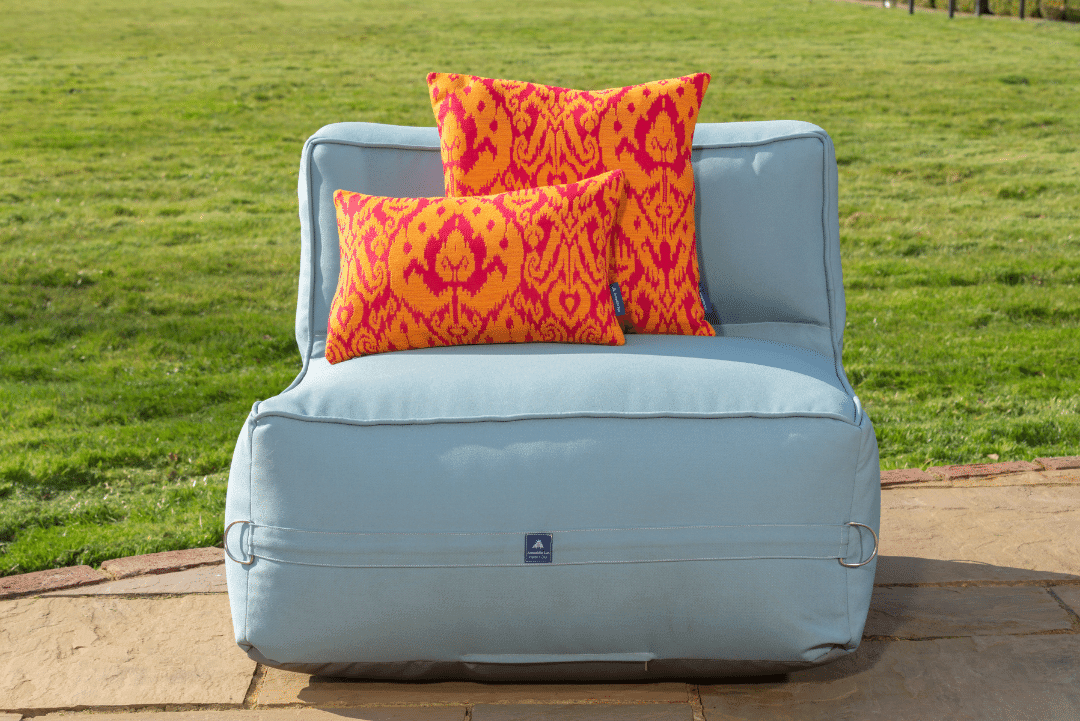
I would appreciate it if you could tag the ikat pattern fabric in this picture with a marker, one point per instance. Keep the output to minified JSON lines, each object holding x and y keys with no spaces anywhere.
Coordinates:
{"x":501,"y":135}
{"x":530,"y":265}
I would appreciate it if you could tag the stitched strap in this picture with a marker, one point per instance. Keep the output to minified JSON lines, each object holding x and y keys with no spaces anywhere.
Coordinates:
{"x":568,"y":547}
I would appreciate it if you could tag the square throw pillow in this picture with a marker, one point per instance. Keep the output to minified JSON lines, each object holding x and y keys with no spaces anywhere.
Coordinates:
{"x":529,"y":265}
{"x":500,"y":135}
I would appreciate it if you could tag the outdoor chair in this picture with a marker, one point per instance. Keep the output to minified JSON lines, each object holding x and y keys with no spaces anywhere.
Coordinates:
{"x":704,"y":506}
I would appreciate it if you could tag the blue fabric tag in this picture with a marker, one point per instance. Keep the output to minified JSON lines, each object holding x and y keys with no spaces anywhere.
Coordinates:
{"x":537,"y":548}
{"x":616,"y":296}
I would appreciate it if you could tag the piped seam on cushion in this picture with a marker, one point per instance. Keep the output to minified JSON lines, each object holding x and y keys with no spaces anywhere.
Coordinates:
{"x":695,"y":146}
{"x":722,"y":330}
{"x":548,"y":416}
{"x":825,"y":246}
{"x":313,"y":255}
{"x":757,"y":143}
{"x":389,"y":146}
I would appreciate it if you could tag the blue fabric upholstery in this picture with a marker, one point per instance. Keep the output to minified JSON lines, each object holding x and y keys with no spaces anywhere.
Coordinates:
{"x":697,"y":492}
{"x":651,"y":376}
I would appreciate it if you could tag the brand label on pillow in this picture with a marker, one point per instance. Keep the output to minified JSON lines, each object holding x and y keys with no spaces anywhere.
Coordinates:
{"x":705,"y":299}
{"x":616,"y":296}
{"x":537,"y":548}
{"x":710,"y":311}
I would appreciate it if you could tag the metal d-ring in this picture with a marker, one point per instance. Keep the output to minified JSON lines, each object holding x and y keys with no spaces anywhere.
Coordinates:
{"x":251,"y":558}
{"x":872,"y":555}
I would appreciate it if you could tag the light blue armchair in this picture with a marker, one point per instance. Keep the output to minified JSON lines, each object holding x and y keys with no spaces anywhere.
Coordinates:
{"x":694,"y":507}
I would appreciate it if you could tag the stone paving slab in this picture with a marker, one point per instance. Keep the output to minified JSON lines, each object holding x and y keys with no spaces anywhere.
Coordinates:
{"x":984,"y":678}
{"x":590,"y":712}
{"x":905,"y":475}
{"x":164,"y":562}
{"x":204,"y":579}
{"x":1060,"y":462}
{"x":75,"y":652}
{"x":974,"y":470}
{"x":38,"y":581}
{"x":914,"y":477}
{"x":941,"y":535}
{"x":922,"y":612}
{"x":10,"y":717}
{"x":1067,"y":475}
{"x":279,"y":688}
{"x":1070,"y":595}
{"x":1026,"y":478}
{"x":414,"y":713}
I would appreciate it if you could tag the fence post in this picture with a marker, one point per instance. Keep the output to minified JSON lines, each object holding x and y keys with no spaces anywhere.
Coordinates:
{"x":952,"y":8}
{"x":1021,"y":9}
{"x":978,"y":8}
{"x":911,"y":6}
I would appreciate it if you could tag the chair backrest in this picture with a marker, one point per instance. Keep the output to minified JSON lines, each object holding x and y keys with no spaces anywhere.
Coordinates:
{"x":767,"y":223}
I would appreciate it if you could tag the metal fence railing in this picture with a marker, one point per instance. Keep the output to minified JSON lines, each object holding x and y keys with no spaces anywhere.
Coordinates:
{"x":978,"y":8}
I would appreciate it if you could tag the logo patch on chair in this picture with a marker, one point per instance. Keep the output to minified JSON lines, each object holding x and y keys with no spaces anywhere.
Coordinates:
{"x":537,"y":548}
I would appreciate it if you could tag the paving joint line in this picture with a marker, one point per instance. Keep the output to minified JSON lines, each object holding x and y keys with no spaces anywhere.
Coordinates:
{"x":321,"y":705}
{"x":918,"y":639}
{"x":961,"y":483}
{"x":252,"y":694}
{"x":1074,"y":617}
{"x":164,"y":595}
{"x":454,"y":704}
{"x":1034,"y":583}
{"x":574,"y":702}
{"x":131,"y":708}
{"x":114,"y":576}
{"x":580,"y":701}
{"x":694,"y":692}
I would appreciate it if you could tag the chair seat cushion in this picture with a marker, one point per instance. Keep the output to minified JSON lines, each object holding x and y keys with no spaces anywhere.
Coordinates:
{"x":652,"y":376}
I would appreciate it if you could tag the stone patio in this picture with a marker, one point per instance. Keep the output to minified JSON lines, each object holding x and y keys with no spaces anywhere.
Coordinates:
{"x":975,"y":615}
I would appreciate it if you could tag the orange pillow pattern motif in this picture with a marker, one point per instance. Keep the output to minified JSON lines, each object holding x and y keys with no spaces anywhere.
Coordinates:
{"x":500,"y":135}
{"x":523,"y":266}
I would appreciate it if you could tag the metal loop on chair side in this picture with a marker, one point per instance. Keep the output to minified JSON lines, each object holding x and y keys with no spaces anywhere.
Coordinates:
{"x":872,"y":555}
{"x":251,"y":558}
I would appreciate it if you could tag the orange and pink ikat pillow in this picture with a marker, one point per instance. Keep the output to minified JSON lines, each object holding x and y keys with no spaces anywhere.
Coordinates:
{"x":502,"y":135}
{"x":520,"y":266}
{"x":569,"y":217}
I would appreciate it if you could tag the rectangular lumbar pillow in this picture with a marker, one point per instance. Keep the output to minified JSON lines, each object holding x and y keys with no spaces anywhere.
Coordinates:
{"x":528,"y":265}
{"x":499,"y":135}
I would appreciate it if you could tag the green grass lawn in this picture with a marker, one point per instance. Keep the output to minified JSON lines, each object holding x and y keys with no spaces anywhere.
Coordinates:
{"x":149,"y":239}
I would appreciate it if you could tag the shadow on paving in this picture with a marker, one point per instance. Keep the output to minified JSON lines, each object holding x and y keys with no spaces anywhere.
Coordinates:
{"x":907,"y":570}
